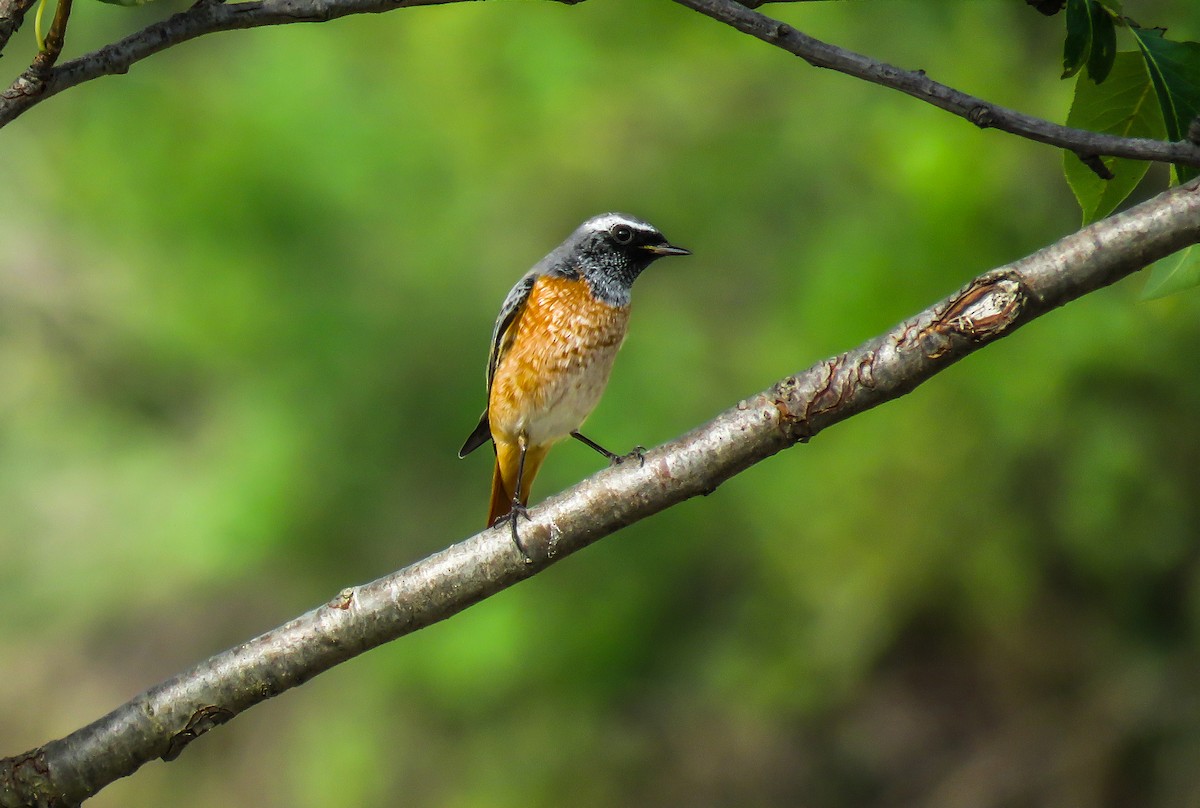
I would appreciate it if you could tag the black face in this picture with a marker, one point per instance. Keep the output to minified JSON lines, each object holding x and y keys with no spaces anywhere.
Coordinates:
{"x":622,"y":235}
{"x":610,"y":251}
{"x":638,"y":241}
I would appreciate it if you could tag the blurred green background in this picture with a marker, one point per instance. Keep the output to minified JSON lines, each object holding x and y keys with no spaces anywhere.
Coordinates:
{"x":247,"y":293}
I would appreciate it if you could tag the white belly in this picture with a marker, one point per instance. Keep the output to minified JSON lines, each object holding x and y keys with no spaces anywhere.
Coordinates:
{"x":567,"y":402}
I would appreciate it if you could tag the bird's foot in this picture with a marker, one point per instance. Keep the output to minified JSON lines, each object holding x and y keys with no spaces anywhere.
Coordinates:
{"x":513,"y":516}
{"x":614,"y":459}
{"x":637,"y":452}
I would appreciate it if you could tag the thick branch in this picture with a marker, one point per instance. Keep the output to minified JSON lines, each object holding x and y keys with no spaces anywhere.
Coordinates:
{"x":12,"y":14}
{"x":915,"y":83}
{"x":164,"y":719}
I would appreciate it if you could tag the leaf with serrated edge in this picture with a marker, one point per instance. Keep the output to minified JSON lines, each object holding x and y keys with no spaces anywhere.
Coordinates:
{"x":1175,"y":69}
{"x":1123,"y":105}
{"x":1172,"y":274}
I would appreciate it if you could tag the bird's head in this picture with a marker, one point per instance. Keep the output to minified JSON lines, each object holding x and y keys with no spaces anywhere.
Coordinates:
{"x":611,"y":250}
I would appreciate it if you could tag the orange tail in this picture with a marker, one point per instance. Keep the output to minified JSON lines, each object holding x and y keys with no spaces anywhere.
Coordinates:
{"x":504,"y":478}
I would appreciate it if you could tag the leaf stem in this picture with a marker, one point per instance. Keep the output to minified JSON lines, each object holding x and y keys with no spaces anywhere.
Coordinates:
{"x":50,"y":49}
{"x":37,"y":26}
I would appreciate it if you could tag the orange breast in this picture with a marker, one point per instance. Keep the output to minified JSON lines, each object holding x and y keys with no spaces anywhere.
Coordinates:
{"x":558,"y":362}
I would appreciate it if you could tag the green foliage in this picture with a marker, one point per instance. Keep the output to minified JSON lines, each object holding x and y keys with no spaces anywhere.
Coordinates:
{"x":1104,"y":44}
{"x":1175,"y":273}
{"x":1124,"y":105}
{"x":1175,"y":69}
{"x":248,"y":290}
{"x":1091,"y":39}
{"x":1078,"y":45}
{"x":1116,"y":101}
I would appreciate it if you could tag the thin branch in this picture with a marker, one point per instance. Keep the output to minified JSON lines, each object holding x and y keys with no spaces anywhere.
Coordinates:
{"x":915,"y":83}
{"x":205,"y":17}
{"x":162,"y":721}
{"x":210,"y":16}
{"x":56,"y":37}
{"x":760,"y":3}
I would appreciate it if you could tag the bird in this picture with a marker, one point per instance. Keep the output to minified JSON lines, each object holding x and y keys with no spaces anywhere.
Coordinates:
{"x":552,"y":350}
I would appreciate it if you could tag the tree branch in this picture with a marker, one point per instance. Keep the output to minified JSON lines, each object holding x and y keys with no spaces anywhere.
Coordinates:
{"x":164,"y":719}
{"x":983,"y":114}
{"x":205,"y":17}
{"x":55,"y":39}
{"x":760,"y":3}
{"x":210,"y":16}
{"x":12,"y":14}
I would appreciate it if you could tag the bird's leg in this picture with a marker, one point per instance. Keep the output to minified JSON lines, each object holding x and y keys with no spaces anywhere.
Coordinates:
{"x":518,"y":507}
{"x":638,"y":451}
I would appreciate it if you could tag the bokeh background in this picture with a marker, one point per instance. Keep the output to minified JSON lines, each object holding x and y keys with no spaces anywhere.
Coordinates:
{"x":246,"y":296}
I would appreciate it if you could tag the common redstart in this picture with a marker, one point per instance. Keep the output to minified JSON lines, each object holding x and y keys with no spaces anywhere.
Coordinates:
{"x":553,"y":347}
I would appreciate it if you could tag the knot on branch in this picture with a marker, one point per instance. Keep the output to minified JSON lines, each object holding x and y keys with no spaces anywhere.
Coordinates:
{"x":30,"y":83}
{"x":201,"y":722}
{"x":343,"y":601}
{"x":982,"y":116}
{"x":981,"y":312}
{"x":799,"y":400}
{"x":793,"y":425}
{"x":28,"y":774}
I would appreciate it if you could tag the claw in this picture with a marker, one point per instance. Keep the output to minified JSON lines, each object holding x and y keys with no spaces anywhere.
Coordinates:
{"x":637,"y":451}
{"x":512,"y":517}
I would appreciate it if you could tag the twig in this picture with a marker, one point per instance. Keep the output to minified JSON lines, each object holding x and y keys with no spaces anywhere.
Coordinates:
{"x":162,"y":721}
{"x":55,"y":39}
{"x":760,"y":3}
{"x":1097,"y":166}
{"x":210,"y":17}
{"x":202,"y":18}
{"x":915,"y":83}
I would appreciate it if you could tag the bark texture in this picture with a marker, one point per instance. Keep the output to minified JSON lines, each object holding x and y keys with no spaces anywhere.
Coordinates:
{"x":161,"y":722}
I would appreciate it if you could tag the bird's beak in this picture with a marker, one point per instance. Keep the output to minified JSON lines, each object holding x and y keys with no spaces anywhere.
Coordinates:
{"x":666,"y":249}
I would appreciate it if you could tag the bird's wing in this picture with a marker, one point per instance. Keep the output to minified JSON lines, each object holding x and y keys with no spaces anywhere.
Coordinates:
{"x":502,"y":336}
{"x":481,"y":435}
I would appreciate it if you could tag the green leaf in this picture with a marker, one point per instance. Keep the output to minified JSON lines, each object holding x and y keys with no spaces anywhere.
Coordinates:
{"x":1175,"y":69}
{"x":1114,"y":8}
{"x":1123,"y":105}
{"x":1104,"y":43}
{"x":1172,"y":274}
{"x":1079,"y":37}
{"x":1091,"y":38}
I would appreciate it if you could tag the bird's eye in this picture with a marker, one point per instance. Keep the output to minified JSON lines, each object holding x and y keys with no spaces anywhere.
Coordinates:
{"x":622,"y":233}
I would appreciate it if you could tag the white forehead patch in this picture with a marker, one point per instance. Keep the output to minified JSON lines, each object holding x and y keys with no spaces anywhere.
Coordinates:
{"x":601,"y":223}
